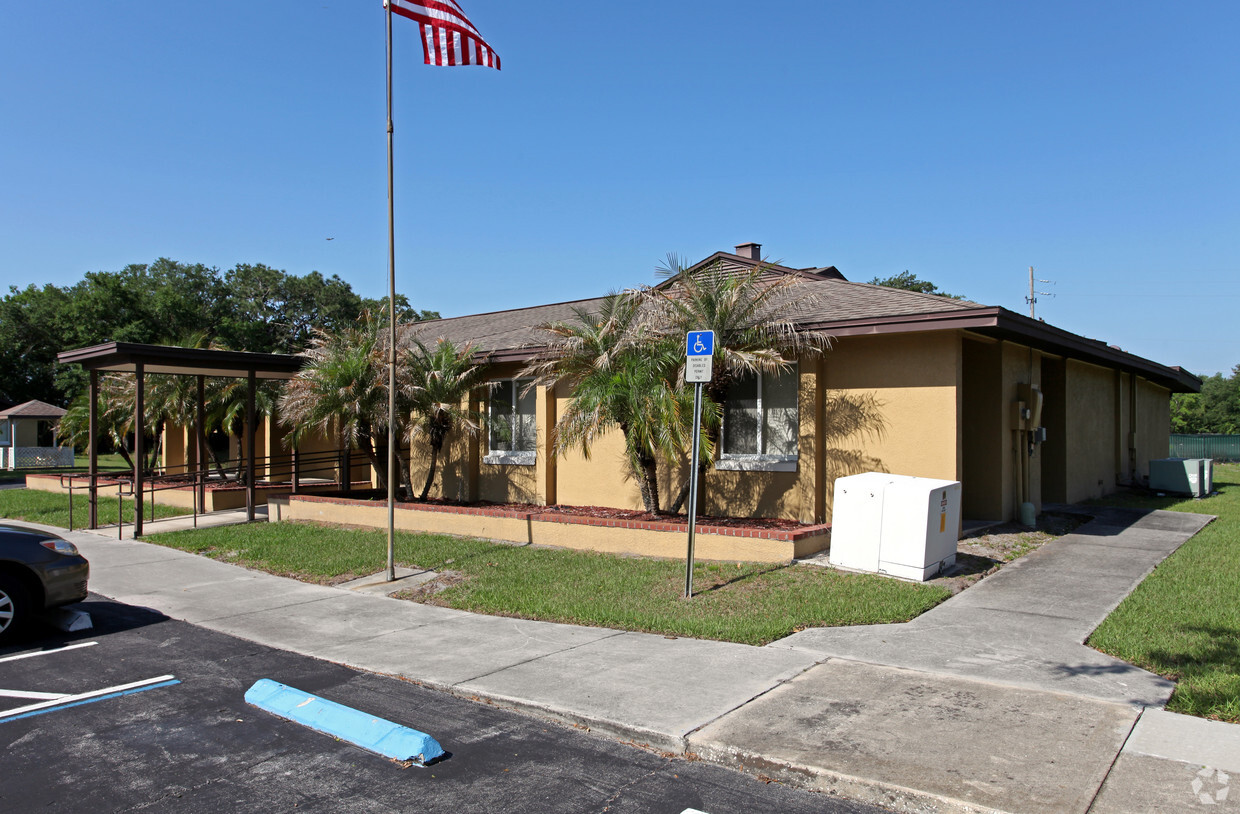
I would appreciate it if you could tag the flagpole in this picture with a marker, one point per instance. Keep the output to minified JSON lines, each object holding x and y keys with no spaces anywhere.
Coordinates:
{"x":393,"y":437}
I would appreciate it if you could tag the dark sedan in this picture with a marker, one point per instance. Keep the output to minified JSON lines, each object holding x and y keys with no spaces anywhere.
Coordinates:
{"x":38,"y":570}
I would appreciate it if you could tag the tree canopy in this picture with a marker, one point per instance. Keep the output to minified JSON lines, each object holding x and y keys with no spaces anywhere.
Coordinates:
{"x":1216,"y":409}
{"x":907,"y":281}
{"x":250,"y":307}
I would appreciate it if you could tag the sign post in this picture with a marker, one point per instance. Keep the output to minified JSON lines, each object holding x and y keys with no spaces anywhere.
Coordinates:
{"x":699,"y":358}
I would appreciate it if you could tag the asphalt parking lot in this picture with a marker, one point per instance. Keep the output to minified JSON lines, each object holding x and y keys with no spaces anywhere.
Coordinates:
{"x":147,"y":713}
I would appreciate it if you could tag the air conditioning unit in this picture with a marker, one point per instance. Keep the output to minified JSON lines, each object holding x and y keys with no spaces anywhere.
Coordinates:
{"x":895,"y":524}
{"x":1185,"y":476}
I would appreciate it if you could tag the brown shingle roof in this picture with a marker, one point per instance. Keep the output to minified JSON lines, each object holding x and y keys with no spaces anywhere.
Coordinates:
{"x":833,"y":299}
{"x":500,"y":331}
{"x":33,"y":409}
{"x":837,"y":307}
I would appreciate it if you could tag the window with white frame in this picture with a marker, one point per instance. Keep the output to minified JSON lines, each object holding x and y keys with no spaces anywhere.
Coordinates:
{"x":760,"y":422}
{"x":512,"y":428}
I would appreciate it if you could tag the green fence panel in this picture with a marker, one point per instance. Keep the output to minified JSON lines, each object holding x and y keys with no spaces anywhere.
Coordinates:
{"x":1218,"y":447}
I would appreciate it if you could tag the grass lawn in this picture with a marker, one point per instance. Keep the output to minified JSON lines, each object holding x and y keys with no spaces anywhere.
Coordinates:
{"x":1183,"y":621}
{"x":51,"y":509}
{"x":751,"y":603}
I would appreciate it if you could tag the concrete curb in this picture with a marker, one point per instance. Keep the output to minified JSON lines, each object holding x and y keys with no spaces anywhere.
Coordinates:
{"x":846,"y":787}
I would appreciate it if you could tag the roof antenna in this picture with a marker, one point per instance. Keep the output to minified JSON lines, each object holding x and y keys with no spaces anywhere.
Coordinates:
{"x":1032,"y":299}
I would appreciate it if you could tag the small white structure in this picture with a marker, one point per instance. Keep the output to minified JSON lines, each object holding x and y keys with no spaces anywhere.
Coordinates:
{"x":28,"y":437}
{"x":895,"y":524}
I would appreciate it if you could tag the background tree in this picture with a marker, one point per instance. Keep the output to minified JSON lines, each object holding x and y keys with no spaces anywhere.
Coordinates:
{"x":405,"y":313}
{"x":907,"y":281}
{"x":114,"y":416}
{"x":250,"y":307}
{"x":272,"y":311}
{"x":1216,"y":409}
{"x":31,"y":324}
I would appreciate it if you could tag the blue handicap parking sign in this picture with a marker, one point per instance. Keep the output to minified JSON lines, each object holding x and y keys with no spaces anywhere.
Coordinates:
{"x":700,"y":343}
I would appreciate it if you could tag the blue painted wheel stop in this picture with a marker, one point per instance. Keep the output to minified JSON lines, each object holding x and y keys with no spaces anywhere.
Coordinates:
{"x":367,"y":731}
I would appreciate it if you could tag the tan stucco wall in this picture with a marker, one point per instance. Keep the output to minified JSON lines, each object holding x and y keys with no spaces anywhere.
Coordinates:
{"x":992,"y":447}
{"x":600,"y":479}
{"x":910,"y":385}
{"x":178,"y":450}
{"x":1124,"y":441}
{"x":454,"y":478}
{"x":319,"y":454}
{"x":318,"y":451}
{"x":1091,"y":410}
{"x":508,"y":483}
{"x":1153,"y":425}
{"x":894,"y":403}
{"x":983,"y":440}
{"x":1021,"y":365}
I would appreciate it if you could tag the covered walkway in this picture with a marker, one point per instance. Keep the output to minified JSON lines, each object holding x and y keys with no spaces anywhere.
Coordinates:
{"x":139,"y":360}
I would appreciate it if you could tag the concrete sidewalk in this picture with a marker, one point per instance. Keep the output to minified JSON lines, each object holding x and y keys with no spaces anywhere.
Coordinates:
{"x":875,"y":714}
{"x":1026,"y":624}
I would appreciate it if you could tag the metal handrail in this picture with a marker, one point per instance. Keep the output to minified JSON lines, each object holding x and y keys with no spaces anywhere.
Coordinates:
{"x":200,"y":476}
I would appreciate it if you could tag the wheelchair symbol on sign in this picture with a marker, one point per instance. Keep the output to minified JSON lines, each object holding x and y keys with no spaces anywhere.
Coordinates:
{"x":700,"y":343}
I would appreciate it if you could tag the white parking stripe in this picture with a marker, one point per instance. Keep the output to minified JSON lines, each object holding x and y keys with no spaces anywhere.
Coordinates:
{"x":48,"y":652}
{"x":31,"y":695}
{"x":68,"y":699}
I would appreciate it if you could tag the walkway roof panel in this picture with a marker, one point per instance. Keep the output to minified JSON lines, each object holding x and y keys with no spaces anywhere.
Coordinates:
{"x":123,"y":357}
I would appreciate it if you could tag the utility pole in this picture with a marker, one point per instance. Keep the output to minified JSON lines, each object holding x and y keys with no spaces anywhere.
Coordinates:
{"x":1032,"y":299}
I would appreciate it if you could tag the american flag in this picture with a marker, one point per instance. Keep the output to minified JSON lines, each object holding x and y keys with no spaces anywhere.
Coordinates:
{"x":448,"y":37}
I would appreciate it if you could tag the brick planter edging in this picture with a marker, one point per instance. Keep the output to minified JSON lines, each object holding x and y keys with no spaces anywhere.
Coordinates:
{"x":784,"y":535}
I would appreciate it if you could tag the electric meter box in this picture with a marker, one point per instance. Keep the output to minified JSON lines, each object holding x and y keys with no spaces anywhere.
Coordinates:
{"x":895,"y":524}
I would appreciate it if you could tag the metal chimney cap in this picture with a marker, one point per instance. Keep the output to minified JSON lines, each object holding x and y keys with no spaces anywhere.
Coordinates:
{"x":753,"y":251}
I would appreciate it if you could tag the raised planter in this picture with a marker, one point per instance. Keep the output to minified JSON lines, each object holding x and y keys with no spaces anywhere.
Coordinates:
{"x":639,"y":537}
{"x":219,"y":496}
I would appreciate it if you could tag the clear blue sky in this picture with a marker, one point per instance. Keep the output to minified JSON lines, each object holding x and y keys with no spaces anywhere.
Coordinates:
{"x":1096,"y":141}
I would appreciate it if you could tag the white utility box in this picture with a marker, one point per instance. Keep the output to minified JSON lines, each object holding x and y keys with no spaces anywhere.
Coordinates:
{"x":895,"y":524}
{"x":857,"y":520}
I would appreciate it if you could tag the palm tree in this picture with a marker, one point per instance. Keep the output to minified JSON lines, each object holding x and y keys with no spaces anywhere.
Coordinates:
{"x":621,"y":375}
{"x":753,"y":315}
{"x":436,"y":382}
{"x":114,"y":415}
{"x":226,"y":404}
{"x":344,"y":380}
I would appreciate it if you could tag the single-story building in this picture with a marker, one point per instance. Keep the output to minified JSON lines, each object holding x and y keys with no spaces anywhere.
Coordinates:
{"x":914,"y":384}
{"x":28,"y":437}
